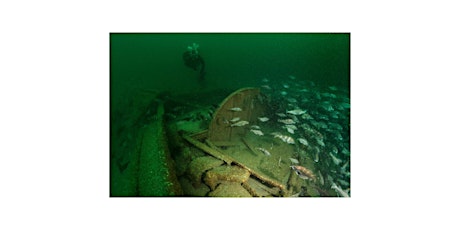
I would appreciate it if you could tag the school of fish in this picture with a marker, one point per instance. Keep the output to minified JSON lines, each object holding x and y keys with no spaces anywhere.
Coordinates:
{"x":316,"y":119}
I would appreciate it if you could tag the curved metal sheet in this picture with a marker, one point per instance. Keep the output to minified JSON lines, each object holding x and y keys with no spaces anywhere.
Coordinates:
{"x":252,"y":105}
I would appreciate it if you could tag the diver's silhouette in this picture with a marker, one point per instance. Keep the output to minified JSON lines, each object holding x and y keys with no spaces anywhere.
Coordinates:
{"x":193,"y":59}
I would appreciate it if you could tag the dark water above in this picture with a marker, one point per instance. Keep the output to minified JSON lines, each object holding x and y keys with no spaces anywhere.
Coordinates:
{"x":154,"y":61}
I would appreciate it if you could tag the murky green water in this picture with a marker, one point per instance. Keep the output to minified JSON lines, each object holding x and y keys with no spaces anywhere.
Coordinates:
{"x":154,"y":61}
{"x":143,"y":63}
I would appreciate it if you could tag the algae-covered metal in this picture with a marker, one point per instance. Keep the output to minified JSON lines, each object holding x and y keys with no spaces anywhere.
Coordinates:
{"x":247,"y":104}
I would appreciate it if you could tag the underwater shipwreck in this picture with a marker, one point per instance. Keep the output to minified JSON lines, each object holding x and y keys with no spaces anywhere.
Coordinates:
{"x":282,"y":140}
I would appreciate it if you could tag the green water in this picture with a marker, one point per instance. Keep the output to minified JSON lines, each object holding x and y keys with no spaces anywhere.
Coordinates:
{"x":153,"y":63}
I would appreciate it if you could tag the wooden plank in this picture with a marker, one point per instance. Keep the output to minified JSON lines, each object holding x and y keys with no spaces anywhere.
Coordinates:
{"x":209,"y":150}
{"x":229,"y":160}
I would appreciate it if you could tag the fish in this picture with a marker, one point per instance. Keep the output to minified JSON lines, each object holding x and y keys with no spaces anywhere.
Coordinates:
{"x":323,"y":117}
{"x":263,"y":119}
{"x":306,"y":116}
{"x":303,"y":141}
{"x":343,"y":182}
{"x":316,"y":157}
{"x":321,"y":178}
{"x":303,"y":90}
{"x":266,"y":87}
{"x":291,"y":127}
{"x":330,"y":95}
{"x":344,"y":167}
{"x":339,"y":137}
{"x":339,"y":190}
{"x":292,"y":100}
{"x":336,"y":160}
{"x":320,"y":142}
{"x":294,"y":161}
{"x":291,"y":131}
{"x":335,"y":150}
{"x":284,"y":138}
{"x":255,"y":127}
{"x":296,"y":112}
{"x":327,"y":107}
{"x":240,"y":123}
{"x":235,"y":119}
{"x":257,"y":132}
{"x":304,"y":173}
{"x":345,"y":105}
{"x":264,"y":151}
{"x":236,"y":109}
{"x":287,"y":121}
{"x":281,"y":115}
{"x":293,"y":117}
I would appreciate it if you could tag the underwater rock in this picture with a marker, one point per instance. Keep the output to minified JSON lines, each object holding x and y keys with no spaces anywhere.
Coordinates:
{"x":225,"y":173}
{"x":190,"y":190}
{"x":230,"y":189}
{"x":258,"y":189}
{"x":200,"y":165}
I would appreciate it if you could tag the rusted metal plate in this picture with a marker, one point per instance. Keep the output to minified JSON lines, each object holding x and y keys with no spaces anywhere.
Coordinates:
{"x":252,"y":105}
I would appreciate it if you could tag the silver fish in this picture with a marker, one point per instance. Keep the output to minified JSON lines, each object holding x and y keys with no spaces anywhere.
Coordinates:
{"x":316,"y":157}
{"x":320,"y":142}
{"x":345,"y":105}
{"x":236,"y":109}
{"x":287,"y":121}
{"x":296,"y":112}
{"x":327,"y":107}
{"x":293,"y":117}
{"x":339,"y":190}
{"x":343,"y":182}
{"x":266,"y":87}
{"x":306,"y":116}
{"x":330,"y":95}
{"x":263,"y":119}
{"x":335,"y":150}
{"x":240,"y":123}
{"x":294,"y":161}
{"x":255,"y":127}
{"x":281,"y":115}
{"x":336,"y":160}
{"x":266,"y":152}
{"x":321,"y":179}
{"x":257,"y":132}
{"x":285,"y":138}
{"x":292,"y":100}
{"x":303,"y":141}
{"x":291,"y":127}
{"x":344,"y":167}
{"x":235,"y":119}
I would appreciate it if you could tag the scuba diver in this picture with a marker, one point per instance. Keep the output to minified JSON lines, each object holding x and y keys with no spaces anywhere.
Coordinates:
{"x":193,"y":59}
